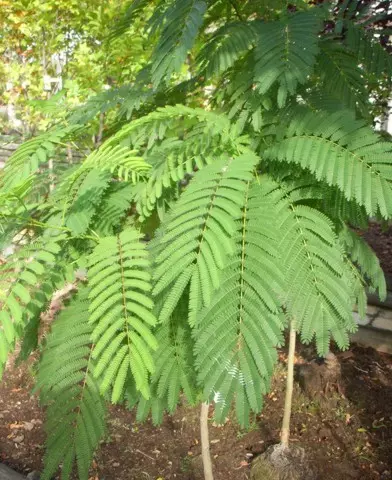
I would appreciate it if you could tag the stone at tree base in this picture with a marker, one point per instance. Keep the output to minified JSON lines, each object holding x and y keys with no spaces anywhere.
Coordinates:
{"x":33,"y":476}
{"x":7,"y":473}
{"x":281,"y":463}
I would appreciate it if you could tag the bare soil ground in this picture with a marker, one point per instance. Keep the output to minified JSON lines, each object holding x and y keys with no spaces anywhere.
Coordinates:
{"x":347,"y":433}
{"x":380,"y":239}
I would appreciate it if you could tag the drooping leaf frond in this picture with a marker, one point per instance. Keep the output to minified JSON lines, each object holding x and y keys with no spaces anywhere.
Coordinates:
{"x":120,"y":311}
{"x":318,"y":295}
{"x":28,"y":157}
{"x":286,"y":53}
{"x":171,"y":121}
{"x":364,"y":257}
{"x":198,"y":235}
{"x":23,"y":270}
{"x":237,"y":335}
{"x":113,"y":209}
{"x":341,"y":76}
{"x":76,"y":411}
{"x":171,"y":163}
{"x":175,"y":373}
{"x":369,"y":53}
{"x":225,"y":47}
{"x":116,"y":159}
{"x":85,"y":199}
{"x":343,"y":152}
{"x":182,"y":20}
{"x":41,"y":294}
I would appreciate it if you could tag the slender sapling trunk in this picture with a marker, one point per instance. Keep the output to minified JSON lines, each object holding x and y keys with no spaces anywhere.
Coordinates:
{"x":205,"y":442}
{"x":285,"y":433}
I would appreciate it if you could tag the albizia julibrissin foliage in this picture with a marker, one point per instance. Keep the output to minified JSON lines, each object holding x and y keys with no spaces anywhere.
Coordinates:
{"x":203,"y":230}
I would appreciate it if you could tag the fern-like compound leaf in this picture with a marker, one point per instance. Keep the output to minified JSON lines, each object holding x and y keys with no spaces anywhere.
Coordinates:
{"x":182,"y":20}
{"x":29,"y":267}
{"x":85,"y":199}
{"x":237,"y":335}
{"x":198,"y":235}
{"x":342,"y":77}
{"x":286,"y":52}
{"x":365,"y":258}
{"x":120,"y":311}
{"x":175,"y":374}
{"x":113,"y":209}
{"x":318,"y":295}
{"x":76,"y":411}
{"x":369,"y":53}
{"x":30,"y":155}
{"x":343,"y":152}
{"x":226,"y":46}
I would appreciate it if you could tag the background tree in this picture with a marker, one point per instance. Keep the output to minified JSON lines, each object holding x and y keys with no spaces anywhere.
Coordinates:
{"x":51,"y":47}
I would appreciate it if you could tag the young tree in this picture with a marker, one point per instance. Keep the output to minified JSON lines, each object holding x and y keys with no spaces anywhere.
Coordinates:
{"x":221,"y":207}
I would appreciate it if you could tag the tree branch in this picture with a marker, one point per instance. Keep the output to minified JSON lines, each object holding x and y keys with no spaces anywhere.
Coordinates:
{"x":236,"y":9}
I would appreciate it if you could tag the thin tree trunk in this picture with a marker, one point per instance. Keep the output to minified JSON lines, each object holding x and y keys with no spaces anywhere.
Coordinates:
{"x":100,"y":130}
{"x":51,"y":174}
{"x":69,"y":154}
{"x":205,"y":442}
{"x":285,"y":433}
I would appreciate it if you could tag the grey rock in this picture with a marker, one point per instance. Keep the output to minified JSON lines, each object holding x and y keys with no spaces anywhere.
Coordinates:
{"x":282,"y":463}
{"x":7,"y":473}
{"x":33,"y":476}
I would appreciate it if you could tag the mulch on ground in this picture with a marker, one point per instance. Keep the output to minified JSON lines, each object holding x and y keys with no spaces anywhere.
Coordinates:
{"x":380,"y":239}
{"x":346,"y":433}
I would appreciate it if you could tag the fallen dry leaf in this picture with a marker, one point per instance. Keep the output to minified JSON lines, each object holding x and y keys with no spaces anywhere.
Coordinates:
{"x":28,"y":426}
{"x":13,"y":426}
{"x":19,"y":439}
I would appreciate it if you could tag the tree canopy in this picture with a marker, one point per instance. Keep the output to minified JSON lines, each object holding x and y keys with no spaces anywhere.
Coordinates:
{"x":238,"y":160}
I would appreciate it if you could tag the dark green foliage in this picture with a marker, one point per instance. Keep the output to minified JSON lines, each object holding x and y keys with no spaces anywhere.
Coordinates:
{"x":181,"y":22}
{"x":76,"y":411}
{"x":342,"y":77}
{"x":286,"y":53}
{"x":248,"y":194}
{"x":237,"y":335}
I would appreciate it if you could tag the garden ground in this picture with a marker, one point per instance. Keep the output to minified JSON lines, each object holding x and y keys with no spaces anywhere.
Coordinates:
{"x":347,"y":432}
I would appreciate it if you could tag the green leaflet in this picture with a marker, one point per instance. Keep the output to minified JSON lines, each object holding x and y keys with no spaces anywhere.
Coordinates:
{"x":342,"y":77}
{"x":175,"y":373}
{"x":125,"y":343}
{"x":76,"y":411}
{"x":237,"y":335}
{"x":86,"y":200}
{"x":113,"y":209}
{"x":198,"y":234}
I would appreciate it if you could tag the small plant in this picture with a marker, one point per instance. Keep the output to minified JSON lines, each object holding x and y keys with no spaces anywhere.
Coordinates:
{"x":205,"y":232}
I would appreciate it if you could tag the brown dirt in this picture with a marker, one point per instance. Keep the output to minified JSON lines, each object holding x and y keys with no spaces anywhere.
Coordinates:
{"x":346,"y":434}
{"x":380,"y":239}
